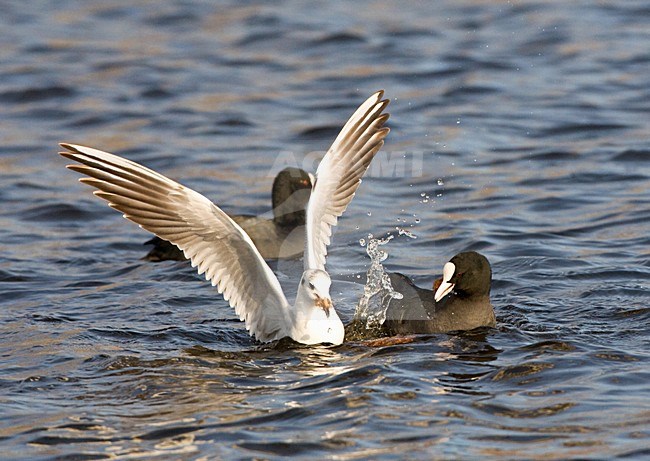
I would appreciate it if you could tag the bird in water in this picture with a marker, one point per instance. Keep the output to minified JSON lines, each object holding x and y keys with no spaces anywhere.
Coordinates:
{"x":281,"y":237}
{"x":460,"y":300}
{"x":224,"y":252}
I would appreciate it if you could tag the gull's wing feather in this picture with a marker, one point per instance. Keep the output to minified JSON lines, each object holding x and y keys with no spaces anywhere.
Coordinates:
{"x":339,"y":175}
{"x":208,"y":236}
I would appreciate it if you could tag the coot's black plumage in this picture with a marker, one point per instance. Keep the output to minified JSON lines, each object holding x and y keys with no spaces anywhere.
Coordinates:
{"x":460,"y":302}
{"x":279,"y":238}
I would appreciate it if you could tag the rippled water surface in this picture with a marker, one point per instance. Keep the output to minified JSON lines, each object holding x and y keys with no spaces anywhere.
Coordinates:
{"x":519,"y":129}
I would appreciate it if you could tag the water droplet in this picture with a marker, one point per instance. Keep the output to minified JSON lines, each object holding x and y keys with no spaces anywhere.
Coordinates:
{"x":362,"y":242}
{"x":417,"y":220}
{"x":406,"y":232}
{"x":369,"y":213}
{"x":441,"y":182}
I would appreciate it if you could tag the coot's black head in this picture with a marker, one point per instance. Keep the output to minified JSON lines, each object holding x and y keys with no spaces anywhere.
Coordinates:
{"x":290,"y":194}
{"x":467,"y":275}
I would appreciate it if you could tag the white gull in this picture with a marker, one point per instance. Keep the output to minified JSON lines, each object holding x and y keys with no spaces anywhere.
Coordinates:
{"x":224,"y":252}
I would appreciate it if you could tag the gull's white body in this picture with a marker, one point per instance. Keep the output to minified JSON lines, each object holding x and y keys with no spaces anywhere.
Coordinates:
{"x":218,"y":247}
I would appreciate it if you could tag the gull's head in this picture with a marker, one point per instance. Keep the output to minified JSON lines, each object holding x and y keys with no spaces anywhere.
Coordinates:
{"x":316,"y":284}
{"x":318,"y":321}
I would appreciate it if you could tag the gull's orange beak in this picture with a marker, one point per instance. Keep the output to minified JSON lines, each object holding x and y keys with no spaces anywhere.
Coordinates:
{"x":325,"y":304}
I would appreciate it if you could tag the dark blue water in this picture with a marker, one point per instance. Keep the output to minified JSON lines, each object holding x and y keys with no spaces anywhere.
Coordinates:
{"x":520,"y":130}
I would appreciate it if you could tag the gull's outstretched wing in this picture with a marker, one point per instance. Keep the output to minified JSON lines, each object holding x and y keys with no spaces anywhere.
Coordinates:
{"x":208,"y":237}
{"x":339,"y":175}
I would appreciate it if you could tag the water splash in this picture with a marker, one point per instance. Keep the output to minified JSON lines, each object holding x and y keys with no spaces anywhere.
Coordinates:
{"x":378,"y":291}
